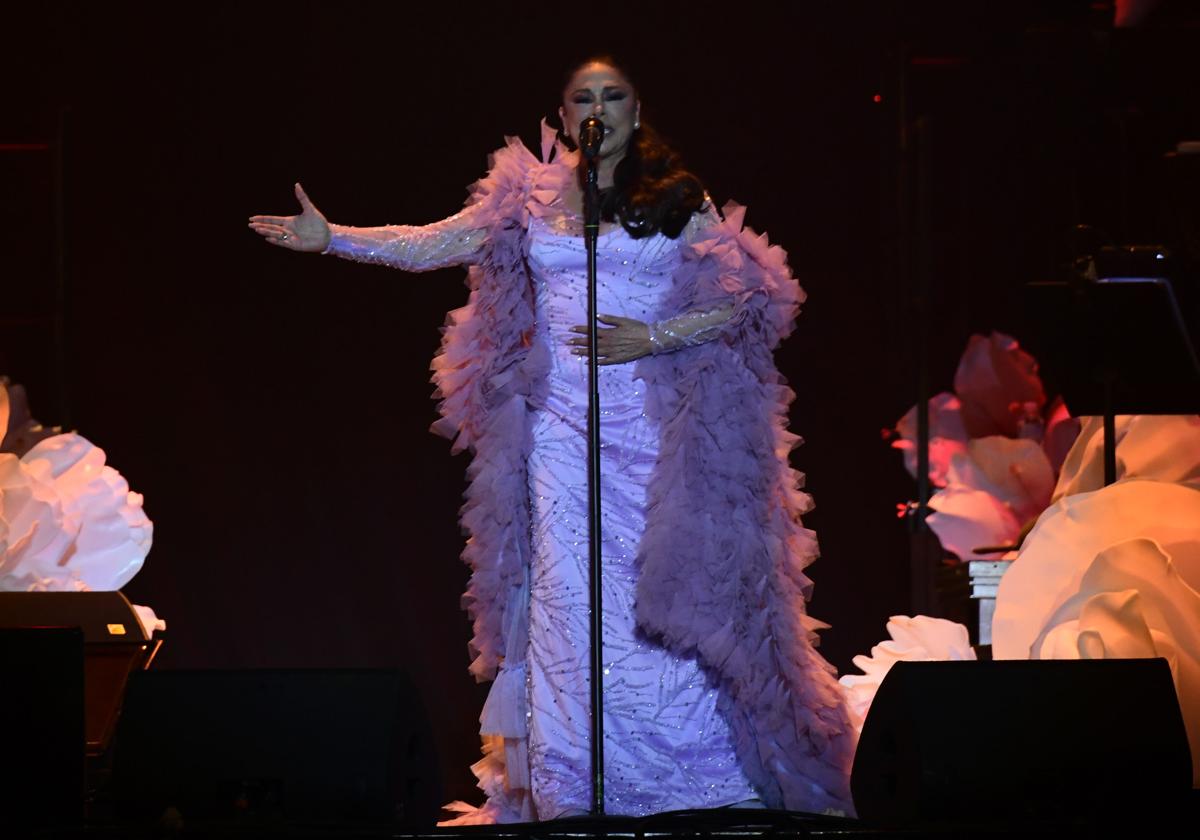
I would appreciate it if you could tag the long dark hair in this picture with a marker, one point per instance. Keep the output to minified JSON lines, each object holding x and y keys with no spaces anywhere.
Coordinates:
{"x":651,"y":191}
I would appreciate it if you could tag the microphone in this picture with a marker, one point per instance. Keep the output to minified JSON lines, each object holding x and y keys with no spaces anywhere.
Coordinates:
{"x":591,"y":136}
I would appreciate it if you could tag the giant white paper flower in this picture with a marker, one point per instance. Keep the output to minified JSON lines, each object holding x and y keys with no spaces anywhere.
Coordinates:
{"x":1072,"y":533}
{"x":112,"y":532}
{"x":1162,"y":447}
{"x":68,"y":521}
{"x":1113,"y":573}
{"x":33,"y":539}
{"x":916,"y":639}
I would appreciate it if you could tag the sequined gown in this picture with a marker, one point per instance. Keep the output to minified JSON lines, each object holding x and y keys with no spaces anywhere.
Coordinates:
{"x":731,"y":587}
{"x":666,"y":745}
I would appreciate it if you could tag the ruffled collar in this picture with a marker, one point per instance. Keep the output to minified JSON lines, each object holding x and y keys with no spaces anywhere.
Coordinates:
{"x":553,"y":149}
{"x":550,"y":180}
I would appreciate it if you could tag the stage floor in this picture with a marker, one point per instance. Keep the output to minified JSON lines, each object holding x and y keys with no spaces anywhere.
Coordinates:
{"x":720,"y":824}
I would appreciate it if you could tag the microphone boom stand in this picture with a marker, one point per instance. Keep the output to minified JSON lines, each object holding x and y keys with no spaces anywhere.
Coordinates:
{"x":591,"y":135}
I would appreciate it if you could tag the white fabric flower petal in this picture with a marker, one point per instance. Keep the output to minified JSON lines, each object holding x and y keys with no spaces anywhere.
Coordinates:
{"x":1060,"y":642}
{"x":113,"y":532}
{"x":149,"y":621}
{"x":70,"y":522}
{"x":916,"y":639}
{"x":1050,"y":567}
{"x":35,"y":538}
{"x":1161,"y":447}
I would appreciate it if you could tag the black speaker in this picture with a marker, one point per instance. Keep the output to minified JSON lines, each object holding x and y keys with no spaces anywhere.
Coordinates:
{"x":1020,"y":740}
{"x":337,"y":747}
{"x":114,"y":646}
{"x":41,"y":706}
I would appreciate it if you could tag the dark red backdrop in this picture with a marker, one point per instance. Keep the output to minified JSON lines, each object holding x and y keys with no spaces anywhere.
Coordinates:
{"x":273,"y":407}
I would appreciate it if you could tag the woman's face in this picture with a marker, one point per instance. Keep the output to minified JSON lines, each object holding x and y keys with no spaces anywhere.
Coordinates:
{"x":599,"y":90}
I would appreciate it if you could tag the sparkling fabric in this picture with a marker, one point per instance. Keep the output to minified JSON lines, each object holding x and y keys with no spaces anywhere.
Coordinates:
{"x":451,"y":241}
{"x":456,"y":239}
{"x":666,"y":745}
{"x":720,"y":548}
{"x":688,"y":329}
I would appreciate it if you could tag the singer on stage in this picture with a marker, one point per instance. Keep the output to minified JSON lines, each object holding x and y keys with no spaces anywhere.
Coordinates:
{"x":714,"y":693}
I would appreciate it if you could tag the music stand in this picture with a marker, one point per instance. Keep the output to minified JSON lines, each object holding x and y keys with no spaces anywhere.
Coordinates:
{"x":1117,"y":345}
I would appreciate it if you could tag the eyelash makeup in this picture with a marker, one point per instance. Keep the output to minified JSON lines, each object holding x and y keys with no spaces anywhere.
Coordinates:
{"x":614,"y":96}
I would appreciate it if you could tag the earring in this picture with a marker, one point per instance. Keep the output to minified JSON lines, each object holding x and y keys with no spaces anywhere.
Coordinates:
{"x":636,"y":125}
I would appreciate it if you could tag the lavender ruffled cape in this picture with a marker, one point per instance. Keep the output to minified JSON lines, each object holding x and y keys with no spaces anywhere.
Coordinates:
{"x":724,"y":552}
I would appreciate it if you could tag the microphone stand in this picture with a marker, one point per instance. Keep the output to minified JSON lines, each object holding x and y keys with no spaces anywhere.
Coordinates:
{"x":591,"y":135}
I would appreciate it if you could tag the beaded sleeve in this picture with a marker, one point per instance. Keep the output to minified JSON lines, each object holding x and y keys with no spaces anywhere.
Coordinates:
{"x":456,"y":240}
{"x":689,"y":329}
{"x":696,"y":326}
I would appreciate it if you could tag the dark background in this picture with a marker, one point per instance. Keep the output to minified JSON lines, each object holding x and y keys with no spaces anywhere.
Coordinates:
{"x":272,"y":407}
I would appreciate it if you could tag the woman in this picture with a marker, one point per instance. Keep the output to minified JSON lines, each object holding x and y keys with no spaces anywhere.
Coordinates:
{"x":714,"y":694}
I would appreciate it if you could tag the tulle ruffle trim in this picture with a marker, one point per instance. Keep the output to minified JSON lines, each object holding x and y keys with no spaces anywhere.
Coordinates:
{"x":486,"y":375}
{"x":724,"y":552}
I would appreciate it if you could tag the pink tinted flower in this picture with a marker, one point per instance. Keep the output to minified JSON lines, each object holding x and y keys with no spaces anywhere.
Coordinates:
{"x":1015,"y":471}
{"x":1130,"y":13}
{"x":1061,"y":431}
{"x":995,"y":378}
{"x":947,"y":436}
{"x":994,"y":486}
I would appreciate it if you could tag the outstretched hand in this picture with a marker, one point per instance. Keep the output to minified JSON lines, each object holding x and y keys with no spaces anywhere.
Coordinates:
{"x":625,"y":339}
{"x":307,"y":232}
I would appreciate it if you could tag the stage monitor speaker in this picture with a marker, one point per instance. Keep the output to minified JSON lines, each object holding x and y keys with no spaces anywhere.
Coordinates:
{"x":114,"y":646}
{"x":41,"y":707}
{"x":346,"y":747}
{"x":1017,"y":740}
